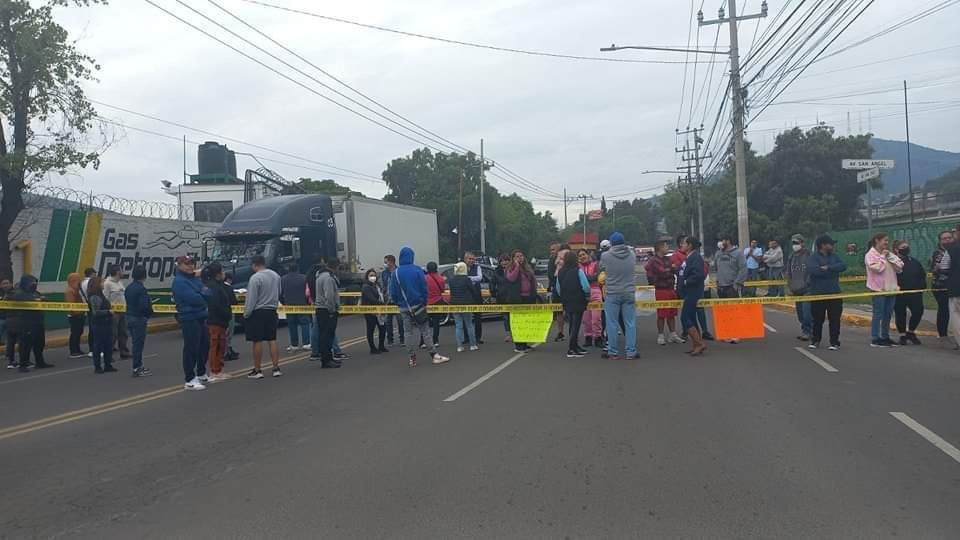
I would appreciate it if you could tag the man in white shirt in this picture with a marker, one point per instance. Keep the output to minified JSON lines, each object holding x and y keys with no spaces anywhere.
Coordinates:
{"x":113,"y":289}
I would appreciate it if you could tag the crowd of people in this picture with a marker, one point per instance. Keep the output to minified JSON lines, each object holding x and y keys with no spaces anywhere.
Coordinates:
{"x":204,"y":302}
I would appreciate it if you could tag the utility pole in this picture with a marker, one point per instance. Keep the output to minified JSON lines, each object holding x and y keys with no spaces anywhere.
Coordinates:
{"x":565,"y":225}
{"x":906,"y":118}
{"x":460,"y":219}
{"x":737,"y":112}
{"x":483,"y":221}
{"x":696,"y":180}
{"x":584,"y":197}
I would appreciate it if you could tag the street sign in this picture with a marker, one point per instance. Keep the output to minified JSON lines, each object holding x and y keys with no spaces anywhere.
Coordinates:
{"x":868,"y":174}
{"x":860,"y":164}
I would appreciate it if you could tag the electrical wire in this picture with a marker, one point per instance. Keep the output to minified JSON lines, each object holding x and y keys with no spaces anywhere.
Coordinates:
{"x":304,"y":86}
{"x":455,"y":41}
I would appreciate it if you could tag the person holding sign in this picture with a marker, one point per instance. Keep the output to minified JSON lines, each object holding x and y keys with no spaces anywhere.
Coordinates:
{"x":574,"y":290}
{"x":520,"y":277}
{"x":824,"y":268}
{"x":690,"y":286}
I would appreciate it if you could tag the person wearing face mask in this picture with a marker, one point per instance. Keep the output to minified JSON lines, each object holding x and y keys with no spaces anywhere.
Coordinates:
{"x":30,"y":326}
{"x":940,"y":268}
{"x":912,"y":278}
{"x":824,"y":268}
{"x":372,"y":295}
{"x":882,"y":269}
{"x":731,"y":265}
{"x":796,"y":273}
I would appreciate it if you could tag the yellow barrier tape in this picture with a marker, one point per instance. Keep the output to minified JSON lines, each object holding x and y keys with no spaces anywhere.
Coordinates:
{"x":480,"y":308}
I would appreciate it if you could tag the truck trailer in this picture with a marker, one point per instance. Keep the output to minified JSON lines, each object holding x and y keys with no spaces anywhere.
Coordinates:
{"x":298,"y":230}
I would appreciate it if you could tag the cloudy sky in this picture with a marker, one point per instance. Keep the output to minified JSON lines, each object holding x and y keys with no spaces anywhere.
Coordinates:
{"x":588,"y":126}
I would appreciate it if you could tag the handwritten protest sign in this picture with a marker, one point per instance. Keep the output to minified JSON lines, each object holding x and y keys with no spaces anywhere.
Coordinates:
{"x":531,"y":327}
{"x":738,"y":321}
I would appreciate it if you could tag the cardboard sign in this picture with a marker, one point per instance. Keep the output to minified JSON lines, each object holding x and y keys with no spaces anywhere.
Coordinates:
{"x":738,"y":321}
{"x":531,"y":327}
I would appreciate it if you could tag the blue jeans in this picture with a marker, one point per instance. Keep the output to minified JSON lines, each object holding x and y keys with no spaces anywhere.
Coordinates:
{"x":752,"y":275}
{"x":465,"y":329}
{"x":298,"y":324}
{"x":101,"y":343}
{"x":882,"y":312}
{"x":805,"y":316}
{"x":689,"y":314}
{"x":615,"y":306}
{"x":196,"y":347}
{"x":137,"y":326}
{"x":775,"y":273}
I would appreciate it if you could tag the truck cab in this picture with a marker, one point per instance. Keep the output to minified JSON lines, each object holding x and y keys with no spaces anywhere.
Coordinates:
{"x":287,"y":230}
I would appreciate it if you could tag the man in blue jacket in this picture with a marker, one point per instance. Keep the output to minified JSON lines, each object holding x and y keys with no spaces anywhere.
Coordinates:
{"x":139,"y":310}
{"x":189,"y":294}
{"x":408,"y":289}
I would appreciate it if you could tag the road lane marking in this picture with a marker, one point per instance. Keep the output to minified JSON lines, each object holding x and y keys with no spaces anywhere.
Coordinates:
{"x":70,"y":416}
{"x":930,"y":436}
{"x":814,"y":357}
{"x":42,"y":375}
{"x":486,"y":376}
{"x":770,"y":328}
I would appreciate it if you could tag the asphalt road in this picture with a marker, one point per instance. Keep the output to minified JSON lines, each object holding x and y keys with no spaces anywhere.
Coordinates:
{"x":754,"y":440}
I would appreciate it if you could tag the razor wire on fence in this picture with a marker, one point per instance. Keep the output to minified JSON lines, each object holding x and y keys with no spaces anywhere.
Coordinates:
{"x":59,"y":197}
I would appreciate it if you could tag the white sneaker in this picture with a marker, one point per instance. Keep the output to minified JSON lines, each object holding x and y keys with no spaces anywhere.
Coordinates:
{"x":291,"y":348}
{"x":305,"y":347}
{"x":661,"y":340}
{"x":440,"y":359}
{"x":474,"y":348}
{"x":459,"y":349}
{"x":203,"y":378}
{"x":674,"y":338}
{"x":194,"y":385}
{"x":218,"y":377}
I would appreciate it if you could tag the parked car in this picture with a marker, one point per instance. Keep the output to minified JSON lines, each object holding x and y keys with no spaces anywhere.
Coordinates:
{"x":489,"y":275}
{"x":541,"y":267}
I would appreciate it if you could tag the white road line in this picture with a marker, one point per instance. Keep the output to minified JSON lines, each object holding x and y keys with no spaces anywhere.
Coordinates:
{"x":485,"y":377}
{"x":770,"y":328}
{"x":62,"y":371}
{"x":814,"y":357}
{"x":930,"y":436}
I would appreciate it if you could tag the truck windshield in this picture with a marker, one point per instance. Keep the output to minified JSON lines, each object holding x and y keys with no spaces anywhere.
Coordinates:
{"x":240,"y":248}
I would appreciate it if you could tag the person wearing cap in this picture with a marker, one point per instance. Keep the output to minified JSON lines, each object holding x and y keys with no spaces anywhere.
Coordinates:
{"x":619,"y":264}
{"x":796,"y":273}
{"x":824,"y":267}
{"x":190,"y":297}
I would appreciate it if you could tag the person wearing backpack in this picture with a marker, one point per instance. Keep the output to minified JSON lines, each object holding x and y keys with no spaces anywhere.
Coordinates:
{"x":408,"y":289}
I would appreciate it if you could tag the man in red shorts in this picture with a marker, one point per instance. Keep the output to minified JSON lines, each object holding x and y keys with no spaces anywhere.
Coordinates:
{"x":660,"y":275}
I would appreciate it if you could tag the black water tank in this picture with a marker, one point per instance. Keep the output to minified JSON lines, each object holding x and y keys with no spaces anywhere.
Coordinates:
{"x":212,"y":158}
{"x":231,"y":163}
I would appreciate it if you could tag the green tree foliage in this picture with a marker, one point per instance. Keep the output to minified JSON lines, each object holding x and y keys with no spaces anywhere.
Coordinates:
{"x":325,"y":187}
{"x":798,"y":187}
{"x":46,"y":115}
{"x":435,"y":181}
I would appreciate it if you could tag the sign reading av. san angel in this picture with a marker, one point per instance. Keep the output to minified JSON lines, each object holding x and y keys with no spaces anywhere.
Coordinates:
{"x":860,"y":164}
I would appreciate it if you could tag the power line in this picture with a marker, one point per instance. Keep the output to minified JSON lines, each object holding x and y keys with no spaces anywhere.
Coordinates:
{"x":271,"y":160}
{"x":231,"y":139}
{"x":302,"y":85}
{"x":455,"y":41}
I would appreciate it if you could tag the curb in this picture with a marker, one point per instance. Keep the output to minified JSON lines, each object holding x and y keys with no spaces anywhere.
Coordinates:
{"x":63,"y":341}
{"x":851,"y":319}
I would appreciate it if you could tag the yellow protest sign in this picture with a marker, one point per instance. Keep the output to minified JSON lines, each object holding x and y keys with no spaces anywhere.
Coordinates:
{"x":530,"y":327}
{"x":738,"y":321}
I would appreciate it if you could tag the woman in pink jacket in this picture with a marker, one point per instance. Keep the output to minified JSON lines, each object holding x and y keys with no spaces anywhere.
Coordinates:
{"x":592,"y":328}
{"x":882,"y":269}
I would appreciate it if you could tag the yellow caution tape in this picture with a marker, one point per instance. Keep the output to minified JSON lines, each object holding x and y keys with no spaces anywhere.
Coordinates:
{"x":479,"y":308}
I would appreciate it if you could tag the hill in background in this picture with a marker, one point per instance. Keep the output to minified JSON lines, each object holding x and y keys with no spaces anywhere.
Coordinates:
{"x":927,"y":164}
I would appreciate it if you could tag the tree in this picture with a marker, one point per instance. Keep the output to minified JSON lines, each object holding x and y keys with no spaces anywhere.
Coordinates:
{"x":434,"y":181}
{"x":46,"y":115}
{"x":325,"y":187}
